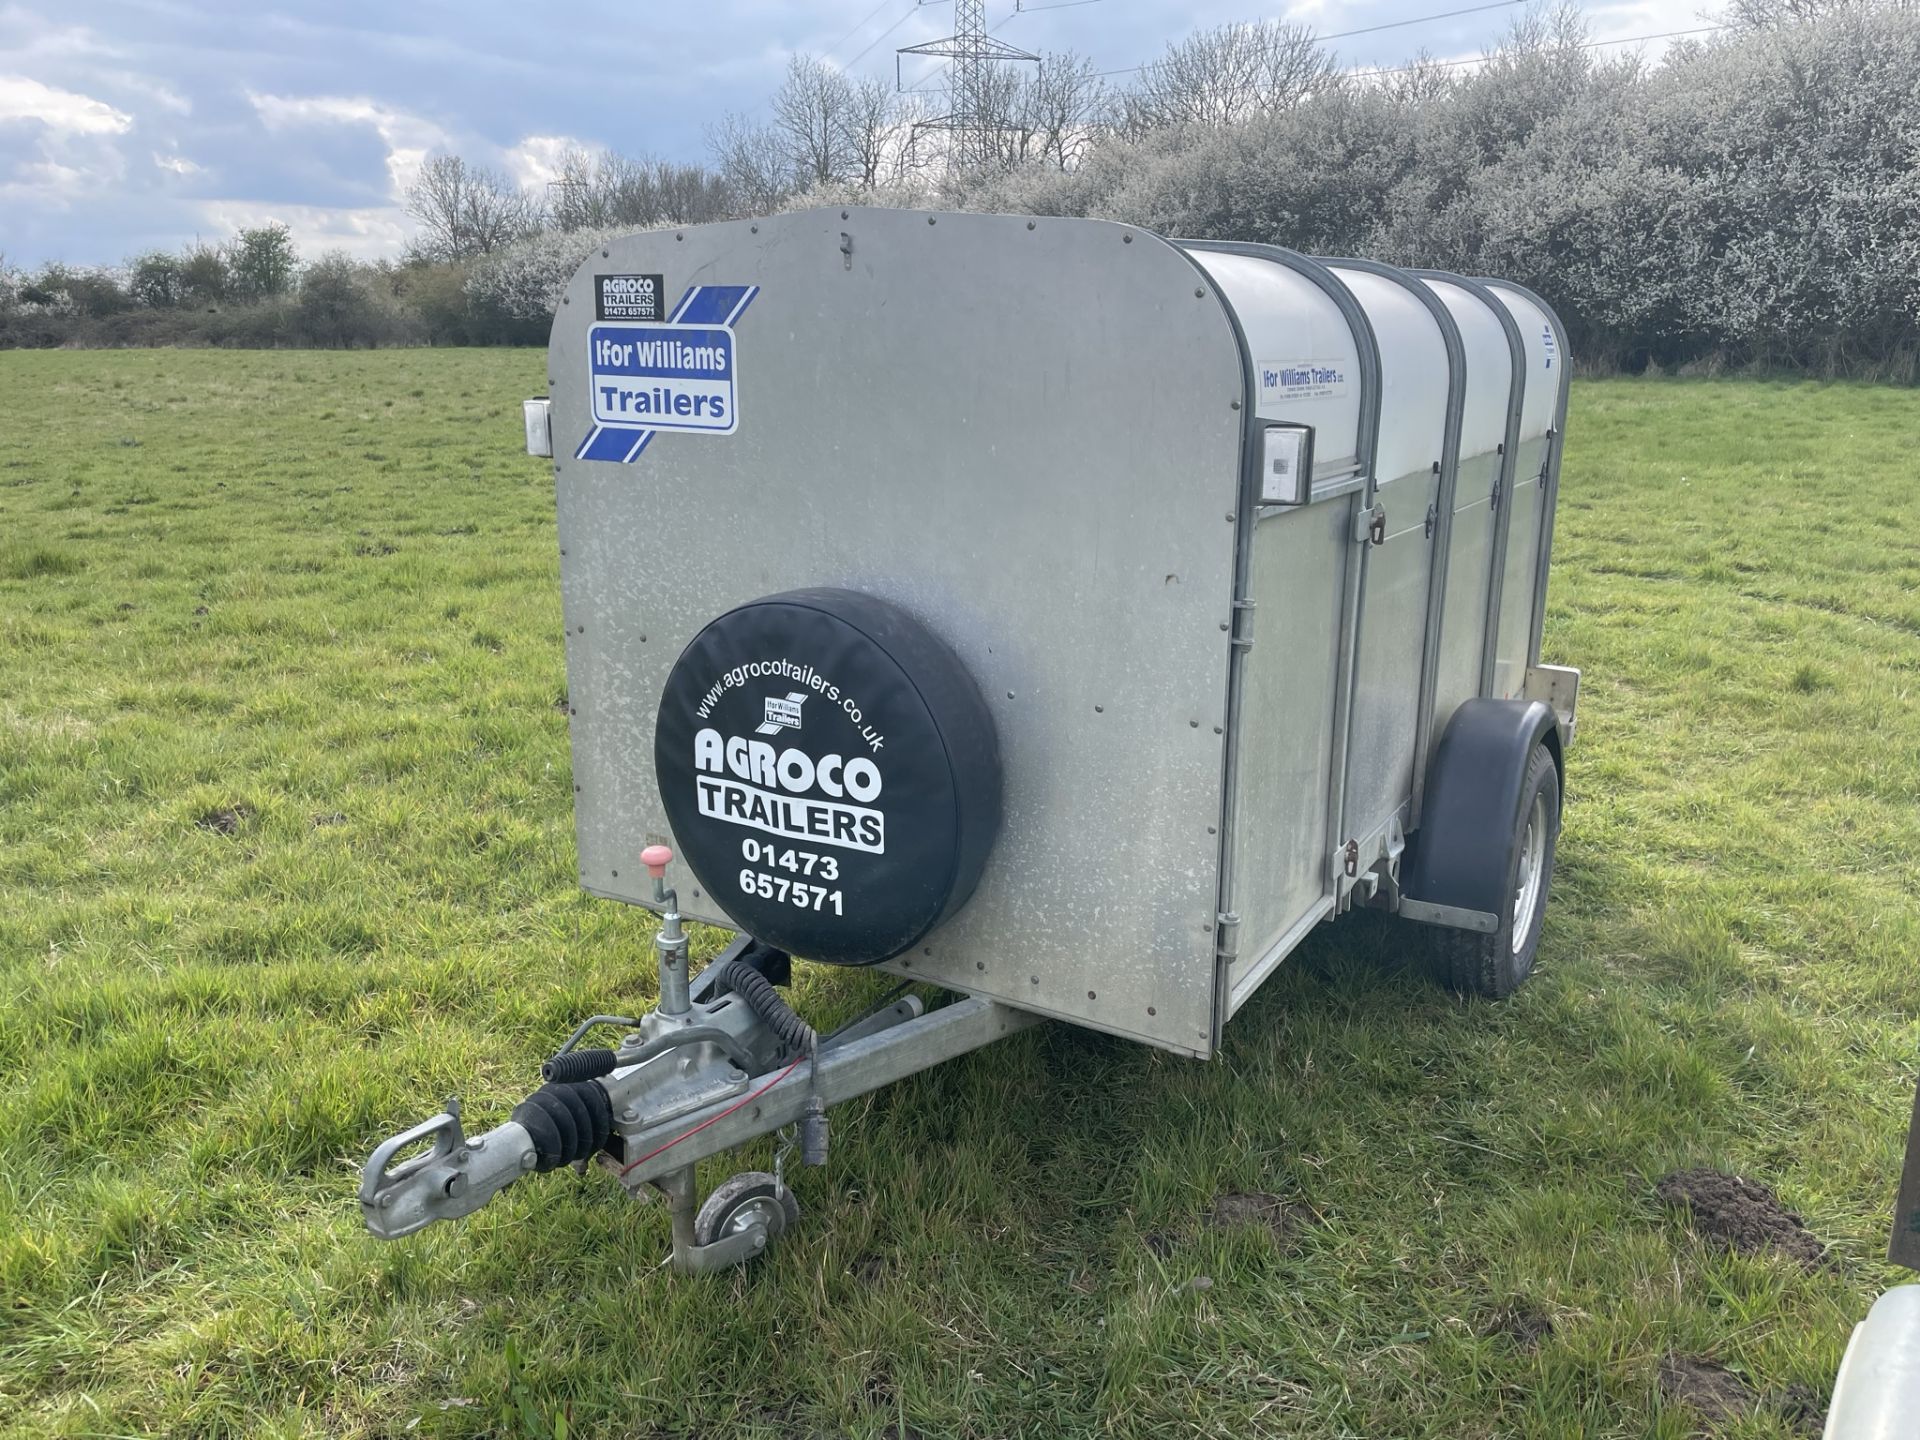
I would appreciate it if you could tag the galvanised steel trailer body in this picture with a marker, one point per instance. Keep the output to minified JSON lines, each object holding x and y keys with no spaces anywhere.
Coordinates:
{"x":1059,"y":614}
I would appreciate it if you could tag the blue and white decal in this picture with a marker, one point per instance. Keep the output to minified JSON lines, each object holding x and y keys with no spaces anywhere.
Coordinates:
{"x":679,"y":374}
{"x":1286,"y":380}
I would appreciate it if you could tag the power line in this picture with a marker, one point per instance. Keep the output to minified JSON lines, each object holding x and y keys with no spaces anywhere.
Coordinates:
{"x":881,"y":36}
{"x":1472,"y":59}
{"x":1397,"y":24}
{"x":1349,"y":34}
{"x":858,"y":28}
{"x":1482,"y":59}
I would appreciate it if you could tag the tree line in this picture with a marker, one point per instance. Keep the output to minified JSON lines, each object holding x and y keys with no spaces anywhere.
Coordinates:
{"x":1752,"y":200}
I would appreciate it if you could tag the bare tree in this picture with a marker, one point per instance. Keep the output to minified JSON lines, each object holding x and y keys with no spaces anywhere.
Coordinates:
{"x":576,"y":196}
{"x":811,"y":114}
{"x":1419,"y":82}
{"x":597,"y":190}
{"x":465,"y":210}
{"x":1229,"y":74}
{"x":872,"y":130}
{"x":1062,"y":104}
{"x":752,"y":160}
{"x":1773,"y":14}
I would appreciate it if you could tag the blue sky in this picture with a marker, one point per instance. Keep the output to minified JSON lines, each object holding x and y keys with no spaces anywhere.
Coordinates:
{"x":125,"y":126}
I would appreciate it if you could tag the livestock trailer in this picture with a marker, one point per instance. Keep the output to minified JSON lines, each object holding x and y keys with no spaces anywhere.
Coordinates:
{"x":1060,"y":615}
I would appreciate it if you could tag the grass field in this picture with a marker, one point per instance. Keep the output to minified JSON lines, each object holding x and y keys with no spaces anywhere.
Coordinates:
{"x":286,"y":856}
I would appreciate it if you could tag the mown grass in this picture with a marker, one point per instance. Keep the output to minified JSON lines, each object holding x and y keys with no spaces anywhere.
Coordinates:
{"x":286,"y":856}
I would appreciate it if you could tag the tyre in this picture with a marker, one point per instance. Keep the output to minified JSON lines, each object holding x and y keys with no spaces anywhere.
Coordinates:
{"x":752,"y":1195}
{"x":1496,"y":965}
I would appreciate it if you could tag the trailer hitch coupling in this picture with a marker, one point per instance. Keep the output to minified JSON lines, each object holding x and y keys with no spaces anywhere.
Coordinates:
{"x":454,"y":1178}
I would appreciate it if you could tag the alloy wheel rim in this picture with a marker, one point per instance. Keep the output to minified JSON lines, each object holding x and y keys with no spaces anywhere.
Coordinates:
{"x":1531,"y":878}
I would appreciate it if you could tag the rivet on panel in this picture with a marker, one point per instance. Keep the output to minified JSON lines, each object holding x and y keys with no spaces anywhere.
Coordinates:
{"x":1212,"y":831}
{"x":1034,"y":978}
{"x":616,"y":874}
{"x":565,"y":300}
{"x":1030,"y":224}
{"x":1193,"y":724}
{"x":932,"y":221}
{"x":1218,"y":731}
{"x":979,"y":964}
{"x":1099,"y":709}
{"x":679,"y":237}
{"x":1199,"y":292}
{"x":1223,"y":624}
{"x":1092,"y":996}
{"x":1009,"y":694}
{"x":1233,"y":404}
{"x":604,"y":254}
{"x":755,"y":229}
{"x":1126,"y":239}
{"x":1152,"y":1011}
{"x":1229,"y":517}
{"x":843,"y":214}
{"x":583,"y":629}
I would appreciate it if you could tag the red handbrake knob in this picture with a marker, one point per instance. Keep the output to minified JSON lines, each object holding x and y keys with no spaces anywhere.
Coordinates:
{"x":656,"y":858}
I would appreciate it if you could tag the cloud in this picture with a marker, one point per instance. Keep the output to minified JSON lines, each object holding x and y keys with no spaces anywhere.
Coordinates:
{"x":367,"y":233}
{"x":64,"y":112}
{"x":409,"y":138}
{"x":535,"y":161}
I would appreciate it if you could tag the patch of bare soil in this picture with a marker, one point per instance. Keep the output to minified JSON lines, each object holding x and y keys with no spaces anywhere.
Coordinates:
{"x":1802,"y":1409}
{"x":1713,"y":1392}
{"x":1743,"y":1214}
{"x":1269,"y":1211}
{"x":1719,"y":1397}
{"x":1525,"y":1326}
{"x":224,"y":819}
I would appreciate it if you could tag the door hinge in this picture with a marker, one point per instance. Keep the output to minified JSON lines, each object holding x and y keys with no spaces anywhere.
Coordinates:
{"x":1433,"y":517}
{"x":1494,"y":498}
{"x":1242,"y":625}
{"x":1226,"y":935}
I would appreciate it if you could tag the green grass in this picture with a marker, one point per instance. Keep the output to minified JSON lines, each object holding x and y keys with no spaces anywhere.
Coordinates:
{"x":286,"y":856}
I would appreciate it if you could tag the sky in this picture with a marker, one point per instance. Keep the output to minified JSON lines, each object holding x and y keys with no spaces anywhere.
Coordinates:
{"x":147,"y":124}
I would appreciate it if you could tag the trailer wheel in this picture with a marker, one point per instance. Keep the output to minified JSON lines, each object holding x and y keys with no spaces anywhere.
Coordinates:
{"x":1496,"y":965}
{"x":738,"y":1202}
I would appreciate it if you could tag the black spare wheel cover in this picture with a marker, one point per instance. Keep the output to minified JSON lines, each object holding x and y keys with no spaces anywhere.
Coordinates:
{"x":831,"y":773}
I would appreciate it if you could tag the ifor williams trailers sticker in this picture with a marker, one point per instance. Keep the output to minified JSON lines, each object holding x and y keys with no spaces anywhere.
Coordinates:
{"x":679,"y":374}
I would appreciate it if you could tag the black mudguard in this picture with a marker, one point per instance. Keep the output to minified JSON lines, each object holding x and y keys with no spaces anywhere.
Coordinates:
{"x":1459,"y":855}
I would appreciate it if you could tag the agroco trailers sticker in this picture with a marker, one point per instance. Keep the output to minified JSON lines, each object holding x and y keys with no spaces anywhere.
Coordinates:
{"x":647,"y":376}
